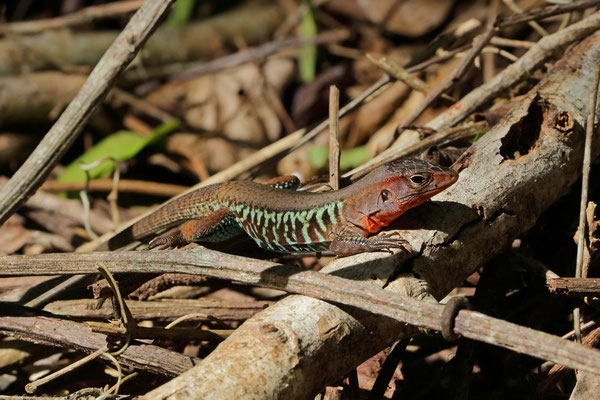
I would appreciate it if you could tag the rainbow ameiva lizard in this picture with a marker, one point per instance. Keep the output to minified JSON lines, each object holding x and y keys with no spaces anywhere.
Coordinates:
{"x":281,"y":219}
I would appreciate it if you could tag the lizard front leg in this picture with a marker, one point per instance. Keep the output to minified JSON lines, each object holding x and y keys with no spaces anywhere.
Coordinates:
{"x":352,"y":241}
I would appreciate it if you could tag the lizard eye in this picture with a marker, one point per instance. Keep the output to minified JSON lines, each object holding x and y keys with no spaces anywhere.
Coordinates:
{"x":385,"y":195}
{"x":418,"y":179}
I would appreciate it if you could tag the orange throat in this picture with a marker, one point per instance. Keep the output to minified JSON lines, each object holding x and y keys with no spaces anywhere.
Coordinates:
{"x":374,"y":223}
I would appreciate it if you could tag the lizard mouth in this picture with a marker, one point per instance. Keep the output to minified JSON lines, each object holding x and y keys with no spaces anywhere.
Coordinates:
{"x":440,"y":183}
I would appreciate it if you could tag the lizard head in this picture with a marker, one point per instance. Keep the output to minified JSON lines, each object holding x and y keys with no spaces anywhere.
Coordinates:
{"x":393,"y":188}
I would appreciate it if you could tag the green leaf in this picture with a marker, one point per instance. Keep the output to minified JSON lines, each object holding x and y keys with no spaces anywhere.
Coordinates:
{"x":180,"y":14}
{"x":318,"y":157}
{"x":308,"y":53}
{"x":120,"y":146}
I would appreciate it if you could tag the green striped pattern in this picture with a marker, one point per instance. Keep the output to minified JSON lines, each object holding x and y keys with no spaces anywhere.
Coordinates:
{"x":290,"y":230}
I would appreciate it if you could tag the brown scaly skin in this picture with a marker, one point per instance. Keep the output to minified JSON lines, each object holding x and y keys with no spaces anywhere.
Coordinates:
{"x":287,"y":221}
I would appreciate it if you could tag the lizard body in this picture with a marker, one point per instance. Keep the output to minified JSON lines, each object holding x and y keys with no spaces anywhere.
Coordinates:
{"x":288,"y":221}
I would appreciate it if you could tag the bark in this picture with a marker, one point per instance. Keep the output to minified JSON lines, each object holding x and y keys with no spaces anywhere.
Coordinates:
{"x":507,"y":179}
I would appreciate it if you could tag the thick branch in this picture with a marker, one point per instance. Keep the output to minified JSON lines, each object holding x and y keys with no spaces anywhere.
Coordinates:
{"x":75,"y":336}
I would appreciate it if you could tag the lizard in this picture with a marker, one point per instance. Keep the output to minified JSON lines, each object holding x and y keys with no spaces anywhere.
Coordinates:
{"x":281,"y":219}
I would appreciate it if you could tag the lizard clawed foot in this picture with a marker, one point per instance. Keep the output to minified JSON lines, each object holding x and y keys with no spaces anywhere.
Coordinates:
{"x":344,"y":245}
{"x":386,"y":241}
{"x":168,"y":240}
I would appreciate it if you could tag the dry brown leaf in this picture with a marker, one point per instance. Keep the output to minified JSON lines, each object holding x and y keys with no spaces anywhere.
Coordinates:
{"x":233,"y":102}
{"x":412,"y":18}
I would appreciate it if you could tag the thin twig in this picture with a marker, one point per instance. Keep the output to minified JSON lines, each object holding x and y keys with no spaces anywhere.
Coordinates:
{"x":504,"y":42}
{"x":83,"y":194}
{"x":388,"y":369}
{"x":353,"y":387}
{"x":213,"y":335}
{"x":478,"y":44}
{"x":32,"y":386}
{"x":49,"y":294}
{"x":566,"y":19}
{"x":334,"y":137}
{"x":587,"y":325}
{"x":186,"y":318}
{"x":439,"y":59}
{"x":85,"y":201}
{"x":142,"y":105}
{"x":113,"y":195}
{"x":399,"y":73}
{"x":489,"y":59}
{"x":114,"y":360}
{"x":164,"y":310}
{"x":259,"y":52}
{"x":587,"y":159}
{"x":125,"y":186}
{"x":533,"y":24}
{"x":127,"y":321}
{"x":547,"y":12}
{"x":116,"y":386}
{"x":503,"y":53}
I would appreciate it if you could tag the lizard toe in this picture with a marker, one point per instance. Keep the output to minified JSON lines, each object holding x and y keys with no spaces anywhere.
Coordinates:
{"x":169,"y":240}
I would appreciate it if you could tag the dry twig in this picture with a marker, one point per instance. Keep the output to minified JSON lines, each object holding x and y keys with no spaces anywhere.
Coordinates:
{"x":124,"y":186}
{"x":57,"y":332}
{"x":334,"y":137}
{"x":587,"y":160}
